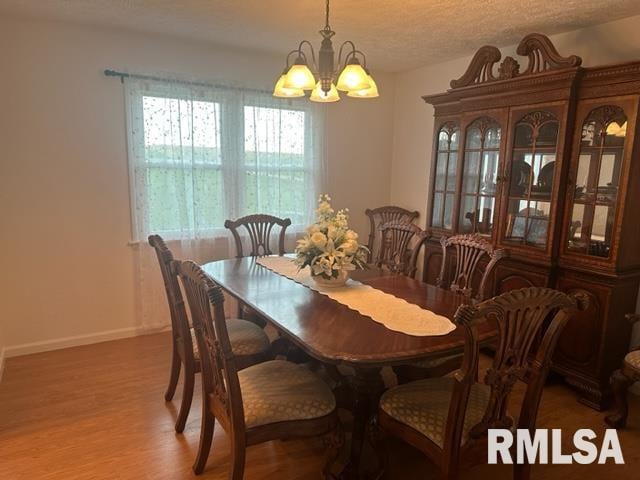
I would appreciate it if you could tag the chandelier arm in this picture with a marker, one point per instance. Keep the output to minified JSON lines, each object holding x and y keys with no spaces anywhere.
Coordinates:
{"x":313,"y":53}
{"x":339,"y":65}
{"x":289,"y":57}
{"x":364,"y":57}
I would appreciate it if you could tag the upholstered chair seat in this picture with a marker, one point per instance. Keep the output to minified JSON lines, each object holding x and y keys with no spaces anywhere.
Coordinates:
{"x":279,"y":391}
{"x":633,"y":360}
{"x":424,"y":406}
{"x":246,"y":337}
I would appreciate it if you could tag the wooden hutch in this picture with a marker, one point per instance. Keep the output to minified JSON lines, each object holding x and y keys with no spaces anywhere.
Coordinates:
{"x":545,"y":162}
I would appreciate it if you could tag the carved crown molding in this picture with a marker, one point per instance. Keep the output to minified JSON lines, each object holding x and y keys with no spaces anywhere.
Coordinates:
{"x":542,"y":55}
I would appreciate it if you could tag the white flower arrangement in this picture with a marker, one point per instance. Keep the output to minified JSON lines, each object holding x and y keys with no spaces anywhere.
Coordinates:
{"x":329,"y":246}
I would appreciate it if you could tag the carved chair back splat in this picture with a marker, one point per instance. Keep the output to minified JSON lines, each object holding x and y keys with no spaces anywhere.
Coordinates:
{"x":220,"y":375}
{"x":469,"y":250}
{"x":396,"y":253}
{"x":382,"y":215}
{"x":259,"y":227}
{"x":522,"y":317}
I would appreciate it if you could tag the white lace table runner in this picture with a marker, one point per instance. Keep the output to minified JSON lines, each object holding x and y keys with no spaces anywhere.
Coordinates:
{"x":392,"y":312}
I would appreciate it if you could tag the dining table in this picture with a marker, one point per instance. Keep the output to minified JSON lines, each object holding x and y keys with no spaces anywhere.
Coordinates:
{"x":334,"y":334}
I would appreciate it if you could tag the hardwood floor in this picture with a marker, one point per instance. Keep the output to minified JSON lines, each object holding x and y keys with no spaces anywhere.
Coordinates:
{"x":97,"y":412}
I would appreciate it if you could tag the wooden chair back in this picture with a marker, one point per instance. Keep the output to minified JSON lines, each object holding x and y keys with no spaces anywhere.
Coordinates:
{"x":259,"y":227}
{"x":469,"y":250}
{"x":382,"y":215}
{"x":396,"y":253}
{"x":529,"y":323}
{"x":221,"y":387}
{"x":179,"y":320}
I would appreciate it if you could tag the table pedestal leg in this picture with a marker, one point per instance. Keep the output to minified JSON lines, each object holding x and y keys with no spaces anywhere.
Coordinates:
{"x":368,"y":386}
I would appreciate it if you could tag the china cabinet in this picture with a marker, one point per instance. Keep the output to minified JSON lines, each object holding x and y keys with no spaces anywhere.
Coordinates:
{"x":544,"y":161}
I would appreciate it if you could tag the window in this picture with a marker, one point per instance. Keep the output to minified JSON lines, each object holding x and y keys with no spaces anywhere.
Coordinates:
{"x":200,"y":155}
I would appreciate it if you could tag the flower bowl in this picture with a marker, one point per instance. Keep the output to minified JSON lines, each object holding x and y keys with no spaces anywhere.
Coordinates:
{"x":333,"y":282}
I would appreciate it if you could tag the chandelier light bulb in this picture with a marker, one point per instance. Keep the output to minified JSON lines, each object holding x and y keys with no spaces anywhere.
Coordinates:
{"x":299,"y":77}
{"x":280,"y":91}
{"x":319,"y":95}
{"x":371,"y":92}
{"x":353,"y":77}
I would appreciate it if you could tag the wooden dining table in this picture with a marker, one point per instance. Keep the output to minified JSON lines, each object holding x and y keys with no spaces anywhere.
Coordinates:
{"x":334,"y":334}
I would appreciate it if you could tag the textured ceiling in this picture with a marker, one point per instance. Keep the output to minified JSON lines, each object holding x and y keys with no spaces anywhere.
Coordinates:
{"x":395,"y":34}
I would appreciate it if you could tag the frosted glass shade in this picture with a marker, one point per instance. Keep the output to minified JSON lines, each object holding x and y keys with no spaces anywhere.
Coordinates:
{"x":318,"y":95}
{"x":280,"y":91}
{"x":353,"y":77}
{"x":371,"y":92}
{"x":299,"y":77}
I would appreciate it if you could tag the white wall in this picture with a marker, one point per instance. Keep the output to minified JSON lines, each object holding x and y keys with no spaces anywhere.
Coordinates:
{"x":413,"y":125}
{"x":1,"y":351}
{"x":64,"y":200}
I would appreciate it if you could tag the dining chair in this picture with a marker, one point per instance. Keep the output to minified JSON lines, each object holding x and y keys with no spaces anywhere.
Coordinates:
{"x":381,"y":215}
{"x":272,"y":400}
{"x":458,"y":272}
{"x":447,"y":418}
{"x":621,"y":380}
{"x":465,"y":267}
{"x":250,"y":342}
{"x":399,"y":247}
{"x":258,"y":228}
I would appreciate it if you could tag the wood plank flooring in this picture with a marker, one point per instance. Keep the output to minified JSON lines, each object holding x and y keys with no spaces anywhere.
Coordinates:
{"x":97,"y":412}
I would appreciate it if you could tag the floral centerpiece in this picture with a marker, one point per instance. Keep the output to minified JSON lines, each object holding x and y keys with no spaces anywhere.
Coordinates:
{"x":329,"y":247}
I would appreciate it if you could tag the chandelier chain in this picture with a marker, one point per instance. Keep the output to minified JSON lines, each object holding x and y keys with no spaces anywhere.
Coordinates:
{"x":326,"y":21}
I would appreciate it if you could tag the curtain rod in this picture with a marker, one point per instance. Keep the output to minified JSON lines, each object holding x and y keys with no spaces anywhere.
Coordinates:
{"x":123,"y":75}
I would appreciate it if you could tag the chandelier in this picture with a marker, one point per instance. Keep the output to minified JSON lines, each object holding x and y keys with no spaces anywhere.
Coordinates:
{"x":320,"y":77}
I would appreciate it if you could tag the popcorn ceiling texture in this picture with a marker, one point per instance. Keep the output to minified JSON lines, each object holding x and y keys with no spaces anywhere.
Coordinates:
{"x":395,"y":35}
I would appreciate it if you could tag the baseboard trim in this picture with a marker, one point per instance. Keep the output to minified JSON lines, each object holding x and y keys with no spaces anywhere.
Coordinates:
{"x":78,"y":340}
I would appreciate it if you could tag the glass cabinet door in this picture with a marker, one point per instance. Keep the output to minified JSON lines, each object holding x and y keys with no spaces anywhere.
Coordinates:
{"x":597,"y":178}
{"x":532,"y":173}
{"x":480,"y":176}
{"x":444,"y":190}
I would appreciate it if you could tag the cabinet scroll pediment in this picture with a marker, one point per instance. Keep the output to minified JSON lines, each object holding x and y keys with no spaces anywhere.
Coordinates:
{"x":541,"y":53}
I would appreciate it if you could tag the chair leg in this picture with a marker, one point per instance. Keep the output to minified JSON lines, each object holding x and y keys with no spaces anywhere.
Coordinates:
{"x":207,"y":428}
{"x":333,"y":443}
{"x":619,"y":384}
{"x":176,"y":364}
{"x":238,"y":455}
{"x":381,"y":444}
{"x":187,"y":397}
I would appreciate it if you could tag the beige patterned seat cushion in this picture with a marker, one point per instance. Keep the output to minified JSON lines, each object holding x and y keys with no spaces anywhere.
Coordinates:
{"x":278,"y":391}
{"x":424,"y":405}
{"x":246,"y":338}
{"x":633,"y":360}
{"x":435,"y":362}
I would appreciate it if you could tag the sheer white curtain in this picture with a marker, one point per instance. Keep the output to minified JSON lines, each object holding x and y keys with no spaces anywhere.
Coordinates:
{"x":199,"y":155}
